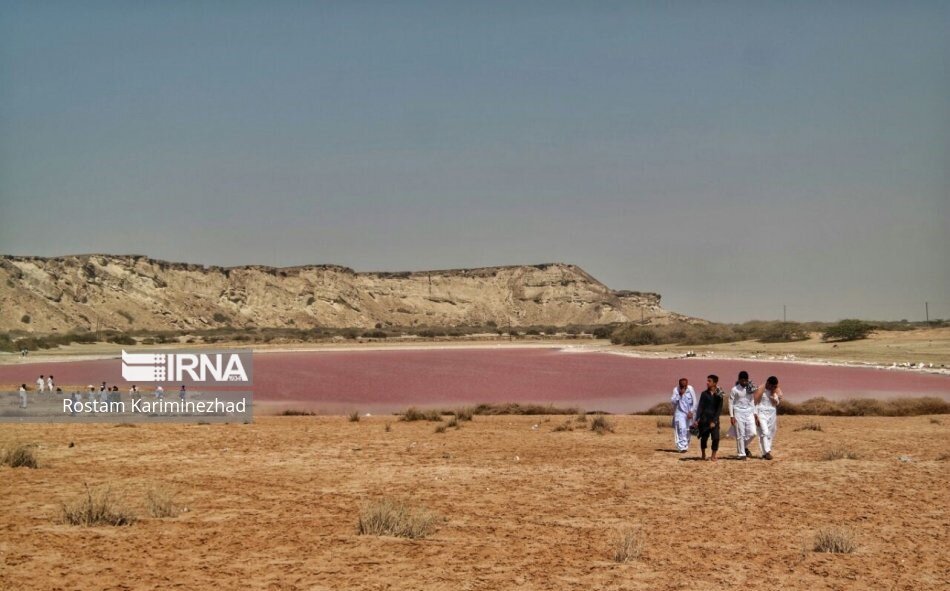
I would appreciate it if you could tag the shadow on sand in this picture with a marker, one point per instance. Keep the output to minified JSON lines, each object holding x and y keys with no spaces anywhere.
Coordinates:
{"x":720,"y":459}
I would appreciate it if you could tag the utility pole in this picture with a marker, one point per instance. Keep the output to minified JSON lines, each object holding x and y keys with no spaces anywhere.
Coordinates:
{"x":784,"y":318}
{"x":927,"y":311}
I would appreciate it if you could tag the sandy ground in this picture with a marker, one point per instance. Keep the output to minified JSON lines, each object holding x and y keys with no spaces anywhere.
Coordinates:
{"x":274,"y":504}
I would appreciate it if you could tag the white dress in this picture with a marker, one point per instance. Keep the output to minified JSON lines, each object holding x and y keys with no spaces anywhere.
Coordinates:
{"x":767,"y":411}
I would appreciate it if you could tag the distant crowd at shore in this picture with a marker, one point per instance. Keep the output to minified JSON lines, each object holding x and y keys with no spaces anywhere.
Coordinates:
{"x":102,"y":394}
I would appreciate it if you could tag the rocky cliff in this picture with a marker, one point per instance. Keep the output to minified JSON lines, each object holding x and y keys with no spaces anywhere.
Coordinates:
{"x":134,"y":292}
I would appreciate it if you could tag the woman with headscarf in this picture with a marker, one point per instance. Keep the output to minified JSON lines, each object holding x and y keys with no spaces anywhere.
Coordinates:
{"x":767,"y":398}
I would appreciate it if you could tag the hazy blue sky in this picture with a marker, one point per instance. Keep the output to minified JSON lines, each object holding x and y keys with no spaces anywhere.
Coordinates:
{"x":731,"y":156}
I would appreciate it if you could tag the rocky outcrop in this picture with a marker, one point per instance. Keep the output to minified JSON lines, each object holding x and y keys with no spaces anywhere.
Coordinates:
{"x":134,"y":292}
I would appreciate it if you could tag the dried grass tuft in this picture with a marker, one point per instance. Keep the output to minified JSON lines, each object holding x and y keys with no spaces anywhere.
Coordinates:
{"x":20,"y":455}
{"x":96,"y":508}
{"x":628,"y":545}
{"x":834,"y":540}
{"x":391,"y":517}
{"x":601,"y":425}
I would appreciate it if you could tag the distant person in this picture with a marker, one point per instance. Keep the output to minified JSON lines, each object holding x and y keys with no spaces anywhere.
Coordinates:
{"x":76,"y":398}
{"x":49,"y":384}
{"x":22,"y":395}
{"x":181,"y":393}
{"x":40,"y":384}
{"x":707,"y":415}
{"x":742,"y":413}
{"x":103,"y":393}
{"x":135,"y":395}
{"x":767,"y":399}
{"x":159,"y":393}
{"x":684,"y":402}
{"x":91,"y":393}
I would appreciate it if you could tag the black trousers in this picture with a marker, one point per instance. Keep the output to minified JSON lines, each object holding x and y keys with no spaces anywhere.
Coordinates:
{"x":705,"y":431}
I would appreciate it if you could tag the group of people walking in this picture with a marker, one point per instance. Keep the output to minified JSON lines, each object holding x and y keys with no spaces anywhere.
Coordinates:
{"x":752,"y":412}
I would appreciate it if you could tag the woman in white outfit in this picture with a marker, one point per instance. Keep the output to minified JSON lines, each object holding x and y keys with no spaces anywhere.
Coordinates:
{"x":742,"y":413}
{"x":767,"y":399}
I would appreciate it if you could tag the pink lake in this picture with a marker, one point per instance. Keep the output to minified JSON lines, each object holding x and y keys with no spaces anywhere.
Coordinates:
{"x":391,"y":380}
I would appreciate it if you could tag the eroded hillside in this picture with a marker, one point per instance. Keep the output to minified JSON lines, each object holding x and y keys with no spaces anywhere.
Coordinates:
{"x":134,"y":292}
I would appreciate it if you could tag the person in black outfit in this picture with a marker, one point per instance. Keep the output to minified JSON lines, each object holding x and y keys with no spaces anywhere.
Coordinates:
{"x":707,"y":415}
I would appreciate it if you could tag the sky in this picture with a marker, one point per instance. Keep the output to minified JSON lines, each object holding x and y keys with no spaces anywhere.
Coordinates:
{"x":733,"y":156}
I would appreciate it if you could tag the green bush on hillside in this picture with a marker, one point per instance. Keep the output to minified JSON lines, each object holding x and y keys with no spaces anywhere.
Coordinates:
{"x":847,"y":330}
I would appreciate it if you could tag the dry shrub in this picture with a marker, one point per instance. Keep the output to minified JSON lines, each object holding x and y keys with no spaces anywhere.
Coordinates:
{"x":565,"y":426}
{"x":514,"y":408}
{"x":786,"y":332}
{"x":909,"y":407}
{"x":663,"y":409}
{"x":293,"y":412}
{"x":96,"y":508}
{"x":601,"y":425}
{"x":839,"y":453}
{"x":391,"y":517}
{"x":867,"y":407}
{"x":687,"y":333}
{"x":441,"y":428}
{"x":834,"y":540}
{"x":634,"y":335}
{"x":355,"y":416}
{"x":628,"y":545}
{"x":454,"y":422}
{"x":20,"y":456}
{"x":664,"y":424}
{"x":414,"y":414}
{"x":581,"y":418}
{"x":935,"y":421}
{"x":160,"y":502}
{"x":464,"y":414}
{"x":813,"y":406}
{"x":810,"y":426}
{"x":389,"y":426}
